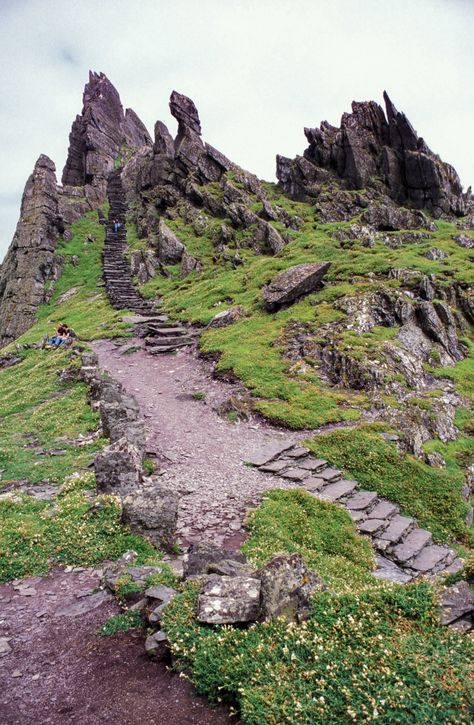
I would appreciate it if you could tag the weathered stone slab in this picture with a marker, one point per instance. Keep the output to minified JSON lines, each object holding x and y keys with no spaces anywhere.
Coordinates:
{"x":200,"y":558}
{"x":361,"y":500}
{"x":370,"y":526}
{"x":298,"y":452}
{"x":430,"y":557}
{"x":313,"y":484}
{"x":412,"y":545}
{"x":287,"y":585}
{"x":274,"y":466}
{"x":228,"y":600}
{"x":456,"y":602}
{"x":398,"y":527}
{"x":383,"y":510}
{"x":330,"y":474}
{"x":5,"y":648}
{"x":268,"y":453}
{"x":293,"y":283}
{"x":156,"y":645}
{"x":389,"y":571}
{"x":335,"y":491}
{"x":295,"y":474}
{"x":312,"y":464}
{"x":84,"y":605}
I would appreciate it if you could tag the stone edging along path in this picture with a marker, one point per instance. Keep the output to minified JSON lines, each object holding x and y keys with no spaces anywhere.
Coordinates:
{"x":404,"y":550}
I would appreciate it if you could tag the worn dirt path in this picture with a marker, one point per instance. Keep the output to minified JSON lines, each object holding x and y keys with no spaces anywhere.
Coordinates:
{"x":199,"y":451}
{"x":61,"y":671}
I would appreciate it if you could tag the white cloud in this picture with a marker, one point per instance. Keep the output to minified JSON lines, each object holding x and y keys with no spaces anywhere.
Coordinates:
{"x":258,"y":71}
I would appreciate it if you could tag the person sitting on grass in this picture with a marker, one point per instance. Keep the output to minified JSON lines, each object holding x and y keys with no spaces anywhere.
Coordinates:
{"x":64,"y":335}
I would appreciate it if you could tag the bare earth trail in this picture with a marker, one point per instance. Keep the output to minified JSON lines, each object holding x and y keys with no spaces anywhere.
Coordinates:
{"x":200,"y":452}
{"x":61,"y":671}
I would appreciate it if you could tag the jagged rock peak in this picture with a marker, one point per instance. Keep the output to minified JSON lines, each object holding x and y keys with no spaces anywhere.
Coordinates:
{"x":30,"y":261}
{"x":185,"y":112}
{"x":98,"y":135}
{"x":371,"y":149}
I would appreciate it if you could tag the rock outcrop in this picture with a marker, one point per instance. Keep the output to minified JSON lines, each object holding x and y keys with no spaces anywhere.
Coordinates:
{"x":31,"y":262}
{"x":371,"y":149}
{"x":98,"y":136}
{"x":293,"y":283}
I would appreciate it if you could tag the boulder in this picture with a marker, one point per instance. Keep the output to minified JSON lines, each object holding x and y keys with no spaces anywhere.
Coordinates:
{"x":435,"y":253}
{"x":227,"y":317}
{"x":158,"y":598}
{"x":121,"y":418}
{"x":156,"y":645}
{"x":229,"y":600}
{"x":170,"y":249}
{"x":189,"y":264}
{"x":152,"y":510}
{"x":286,"y":588}
{"x":389,"y":217}
{"x":457,"y":603}
{"x":118,"y":468}
{"x":293,"y":283}
{"x":200,"y":558}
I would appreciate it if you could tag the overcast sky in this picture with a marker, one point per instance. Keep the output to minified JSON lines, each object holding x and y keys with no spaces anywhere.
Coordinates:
{"x":258,"y":71}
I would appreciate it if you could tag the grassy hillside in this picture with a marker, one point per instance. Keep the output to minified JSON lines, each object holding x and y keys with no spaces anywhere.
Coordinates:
{"x":47,"y":432}
{"x":293,"y":393}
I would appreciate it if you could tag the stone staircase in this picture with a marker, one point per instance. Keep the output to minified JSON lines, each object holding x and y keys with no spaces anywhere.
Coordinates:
{"x":160,"y":333}
{"x":404,"y":551}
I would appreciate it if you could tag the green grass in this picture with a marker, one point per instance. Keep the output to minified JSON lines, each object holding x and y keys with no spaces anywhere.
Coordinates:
{"x":432,"y":495}
{"x":37,"y":415}
{"x":35,"y":536}
{"x":371,"y":654}
{"x":87,"y":311}
{"x":323,"y":533}
{"x":123,"y":622}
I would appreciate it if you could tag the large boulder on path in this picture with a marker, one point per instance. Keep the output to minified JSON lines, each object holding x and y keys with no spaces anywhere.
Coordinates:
{"x":205,"y":557}
{"x":286,"y":588}
{"x":293,"y":283}
{"x":152,"y":510}
{"x":229,"y":600}
{"x":118,"y":468}
{"x":170,"y":249}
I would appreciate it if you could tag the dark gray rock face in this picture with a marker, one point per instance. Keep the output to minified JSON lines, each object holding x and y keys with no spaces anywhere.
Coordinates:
{"x":31,"y":261}
{"x":293,"y":283}
{"x":118,"y":468}
{"x":152,"y":510}
{"x":170,"y":249}
{"x":98,"y":135}
{"x":203,"y":557}
{"x":370,"y":149}
{"x":229,"y":600}
{"x":286,"y":587}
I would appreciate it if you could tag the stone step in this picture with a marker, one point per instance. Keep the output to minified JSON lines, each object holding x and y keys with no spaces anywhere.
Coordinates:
{"x":411,"y":545}
{"x":384,"y":510}
{"x":431,"y":557}
{"x":312,"y":464}
{"x":294,"y":474}
{"x":163,"y":341}
{"x":335,"y":491}
{"x":330,"y":474}
{"x":372,"y":526}
{"x":313,"y":484}
{"x":399,"y":526}
{"x":268,"y":453}
{"x":361,"y":501}
{"x":165,"y":348}
{"x":167,"y":331}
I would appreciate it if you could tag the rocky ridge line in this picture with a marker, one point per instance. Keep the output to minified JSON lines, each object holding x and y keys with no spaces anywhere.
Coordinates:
{"x":373,"y":149}
{"x":31,"y":263}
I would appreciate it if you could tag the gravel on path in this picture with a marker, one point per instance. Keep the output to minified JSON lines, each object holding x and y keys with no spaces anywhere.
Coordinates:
{"x":200,"y":452}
